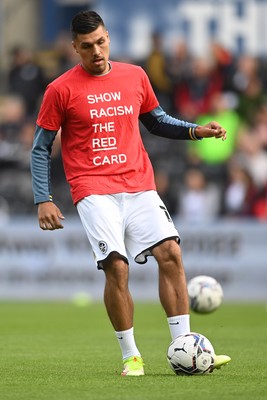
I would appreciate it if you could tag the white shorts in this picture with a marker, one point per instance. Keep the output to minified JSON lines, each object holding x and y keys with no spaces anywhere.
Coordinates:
{"x":125,"y":222}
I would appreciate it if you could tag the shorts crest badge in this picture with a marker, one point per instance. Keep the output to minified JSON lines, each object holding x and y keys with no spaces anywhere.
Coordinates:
{"x":103,"y":246}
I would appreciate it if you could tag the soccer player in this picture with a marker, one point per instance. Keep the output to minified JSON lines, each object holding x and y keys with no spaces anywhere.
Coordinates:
{"x":97,"y":106}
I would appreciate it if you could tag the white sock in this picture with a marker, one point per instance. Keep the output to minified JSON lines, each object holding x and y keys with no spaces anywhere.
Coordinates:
{"x":179,"y":325}
{"x":127,"y":343}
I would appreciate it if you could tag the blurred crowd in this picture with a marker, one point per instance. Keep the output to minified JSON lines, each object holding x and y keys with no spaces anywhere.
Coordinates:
{"x":198,"y":181}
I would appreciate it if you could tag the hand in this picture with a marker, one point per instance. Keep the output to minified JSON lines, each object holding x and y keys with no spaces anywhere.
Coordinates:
{"x":213,"y":129}
{"x":49,"y":216}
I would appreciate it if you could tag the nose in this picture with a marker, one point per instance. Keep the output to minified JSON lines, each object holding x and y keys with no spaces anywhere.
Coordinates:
{"x":96,"y":50}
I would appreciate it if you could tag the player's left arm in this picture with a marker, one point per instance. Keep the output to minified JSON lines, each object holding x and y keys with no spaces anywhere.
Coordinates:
{"x":159,"y":123}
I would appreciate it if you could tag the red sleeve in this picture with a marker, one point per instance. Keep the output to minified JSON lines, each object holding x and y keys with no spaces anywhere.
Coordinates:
{"x":149,"y":100}
{"x":51,"y":114}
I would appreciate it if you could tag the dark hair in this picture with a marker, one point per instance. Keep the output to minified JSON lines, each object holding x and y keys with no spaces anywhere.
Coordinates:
{"x":85,"y":22}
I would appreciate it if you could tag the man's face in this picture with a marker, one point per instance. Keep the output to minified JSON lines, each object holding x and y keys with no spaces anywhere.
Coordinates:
{"x":93,"y":48}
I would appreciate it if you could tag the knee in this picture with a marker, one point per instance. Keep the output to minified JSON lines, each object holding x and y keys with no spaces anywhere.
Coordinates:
{"x":168,"y":252}
{"x":116,"y":271}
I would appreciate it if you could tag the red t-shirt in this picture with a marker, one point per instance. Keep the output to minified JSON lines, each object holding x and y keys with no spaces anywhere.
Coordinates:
{"x":102,"y":149}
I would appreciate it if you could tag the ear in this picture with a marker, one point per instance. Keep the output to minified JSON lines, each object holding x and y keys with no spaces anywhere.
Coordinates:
{"x":74,"y":46}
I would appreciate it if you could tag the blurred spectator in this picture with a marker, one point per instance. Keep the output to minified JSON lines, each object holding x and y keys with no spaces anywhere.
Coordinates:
{"x":12,"y":116}
{"x":259,"y":125}
{"x":15,"y":180}
{"x":248,"y":85}
{"x":65,"y":54}
{"x":16,"y":189}
{"x":213,"y":154}
{"x":193,"y":96}
{"x":251,"y":154}
{"x":260,"y":205}
{"x":224,"y":63}
{"x":157,"y":71}
{"x":240,"y":192}
{"x":26,"y":78}
{"x":199,"y":200}
{"x":180,"y":62}
{"x":164,"y":188}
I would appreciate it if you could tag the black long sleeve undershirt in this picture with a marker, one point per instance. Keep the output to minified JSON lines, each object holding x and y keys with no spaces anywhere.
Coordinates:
{"x":161,"y":124}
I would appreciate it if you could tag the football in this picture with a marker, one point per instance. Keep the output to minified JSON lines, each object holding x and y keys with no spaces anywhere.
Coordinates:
{"x":205,"y":294}
{"x":191,"y":354}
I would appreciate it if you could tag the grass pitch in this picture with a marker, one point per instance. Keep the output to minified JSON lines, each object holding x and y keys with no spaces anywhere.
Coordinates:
{"x":59,"y":351}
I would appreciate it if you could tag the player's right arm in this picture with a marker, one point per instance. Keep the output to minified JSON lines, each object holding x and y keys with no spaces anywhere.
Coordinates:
{"x":49,"y":215}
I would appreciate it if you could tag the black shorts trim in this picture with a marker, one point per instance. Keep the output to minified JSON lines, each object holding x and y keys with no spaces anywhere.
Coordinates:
{"x":147,"y":252}
{"x":119,"y":256}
